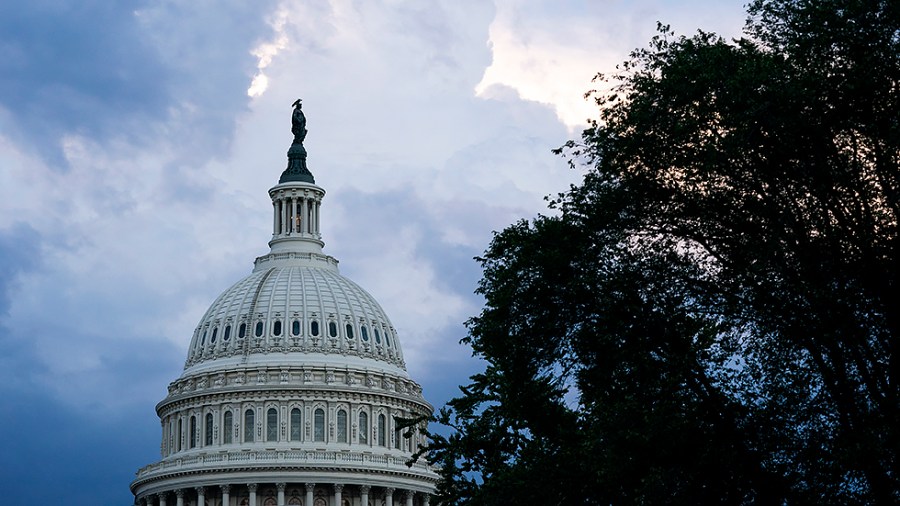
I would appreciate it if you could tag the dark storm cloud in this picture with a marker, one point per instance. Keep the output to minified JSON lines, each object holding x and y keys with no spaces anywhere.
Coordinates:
{"x":76,"y":67}
{"x":121,"y":69}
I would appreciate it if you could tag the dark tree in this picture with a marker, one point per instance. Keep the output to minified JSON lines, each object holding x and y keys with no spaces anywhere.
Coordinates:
{"x":712,"y":315}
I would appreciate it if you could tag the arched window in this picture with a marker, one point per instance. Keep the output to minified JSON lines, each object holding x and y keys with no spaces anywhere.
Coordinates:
{"x":341,"y":426}
{"x":215,"y":334}
{"x":363,"y":428}
{"x":193,"y":436}
{"x":377,"y":336}
{"x":295,"y":424}
{"x":364,"y":333}
{"x":259,"y":329}
{"x":319,"y":422}
{"x":208,"y":439}
{"x":242,"y":331}
{"x":387,"y":337}
{"x":276,"y":328}
{"x":332,"y":329}
{"x":227,"y":427}
{"x":227,"y":335}
{"x":295,"y":328}
{"x":180,"y":436}
{"x":248,"y":425}
{"x":397,"y":436}
{"x":314,"y":328}
{"x":272,"y":425}
{"x":382,"y":430}
{"x":203,"y":339}
{"x":349,"y":329}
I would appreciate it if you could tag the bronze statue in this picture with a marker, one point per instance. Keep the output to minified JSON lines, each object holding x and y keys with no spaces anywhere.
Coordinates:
{"x":298,"y":123}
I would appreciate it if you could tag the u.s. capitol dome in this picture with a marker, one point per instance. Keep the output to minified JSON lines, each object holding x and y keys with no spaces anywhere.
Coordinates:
{"x":294,"y":387}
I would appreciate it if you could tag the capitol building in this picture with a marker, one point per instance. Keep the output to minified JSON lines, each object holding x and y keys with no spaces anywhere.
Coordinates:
{"x":294,"y":388}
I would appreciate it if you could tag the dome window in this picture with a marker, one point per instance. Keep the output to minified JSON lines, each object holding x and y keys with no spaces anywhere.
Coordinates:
{"x":332,"y":329}
{"x":382,"y":422}
{"x":242,"y":331}
{"x":365,"y":333}
{"x":349,"y":331}
{"x":193,"y":436}
{"x":363,"y":428}
{"x":387,"y":338}
{"x":377,"y":337}
{"x":259,"y":329}
{"x":276,"y":328}
{"x":314,"y":328}
{"x":272,"y":425}
{"x":227,"y":427}
{"x":341,"y":426}
{"x":319,"y":432}
{"x":295,"y":424}
{"x":203,"y":339}
{"x":248,"y":425}
{"x":209,"y":430}
{"x":215,"y":334}
{"x":295,"y":328}
{"x":227,"y":334}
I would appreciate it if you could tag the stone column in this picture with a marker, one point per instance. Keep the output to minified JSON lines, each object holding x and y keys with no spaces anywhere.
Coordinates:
{"x":295,"y":219}
{"x":304,"y":216}
{"x":179,"y":497}
{"x":162,"y":498}
{"x":426,"y":500}
{"x":280,"y":487}
{"x":201,"y":496}
{"x":226,"y":497}
{"x":364,"y":495}
{"x":409,"y":497}
{"x":389,"y":497}
{"x":252,"y":488}
{"x":337,"y":493}
{"x":310,"y":488}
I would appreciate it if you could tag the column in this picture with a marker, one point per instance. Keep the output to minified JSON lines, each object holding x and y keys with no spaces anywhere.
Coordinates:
{"x":310,"y":488}
{"x":179,"y":497}
{"x":316,"y":211}
{"x":162,"y":498}
{"x":426,"y":500}
{"x":364,"y":495}
{"x":295,"y":220}
{"x":409,"y":497}
{"x":252,"y":488}
{"x":226,"y":497}
{"x":285,"y":215}
{"x":275,"y":217}
{"x":280,"y":487}
{"x":389,"y":497}
{"x":304,"y":216}
{"x":337,"y":493}
{"x":201,"y":496}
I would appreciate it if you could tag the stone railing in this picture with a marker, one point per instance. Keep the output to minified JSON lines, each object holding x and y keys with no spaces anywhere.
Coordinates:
{"x":266,"y":458}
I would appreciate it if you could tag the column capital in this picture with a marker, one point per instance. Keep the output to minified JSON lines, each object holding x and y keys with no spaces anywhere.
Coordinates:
{"x":251,"y":487}
{"x":389,"y":491}
{"x":365,"y":488}
{"x":200,"y":490}
{"x":225,"y":488}
{"x":310,"y":487}
{"x":162,"y":495}
{"x":338,"y":487}
{"x":179,"y":493}
{"x":280,"y":486}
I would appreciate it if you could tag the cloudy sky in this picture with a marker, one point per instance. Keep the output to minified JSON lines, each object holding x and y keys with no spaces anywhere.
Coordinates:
{"x":137,"y":142}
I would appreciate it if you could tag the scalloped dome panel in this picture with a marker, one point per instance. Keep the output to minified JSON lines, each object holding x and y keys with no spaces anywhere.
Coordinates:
{"x":295,"y":308}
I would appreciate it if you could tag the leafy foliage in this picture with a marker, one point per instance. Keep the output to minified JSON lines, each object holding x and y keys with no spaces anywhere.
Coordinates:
{"x":712,"y":315}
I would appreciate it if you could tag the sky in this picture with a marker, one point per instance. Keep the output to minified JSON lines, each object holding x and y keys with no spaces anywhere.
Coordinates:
{"x":137,"y":143}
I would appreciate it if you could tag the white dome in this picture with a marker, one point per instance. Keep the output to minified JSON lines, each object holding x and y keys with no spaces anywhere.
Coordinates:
{"x":298,"y":306}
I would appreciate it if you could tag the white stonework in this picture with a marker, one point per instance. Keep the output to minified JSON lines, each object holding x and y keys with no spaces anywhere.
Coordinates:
{"x":291,"y":389}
